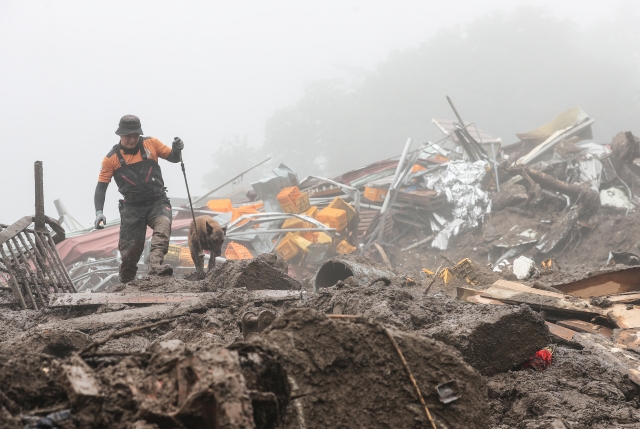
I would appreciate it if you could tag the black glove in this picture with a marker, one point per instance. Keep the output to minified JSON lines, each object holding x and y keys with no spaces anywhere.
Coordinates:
{"x":177,"y":144}
{"x":100,"y":218}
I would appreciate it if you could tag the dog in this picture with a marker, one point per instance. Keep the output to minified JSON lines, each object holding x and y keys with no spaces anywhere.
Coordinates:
{"x":205,"y":234}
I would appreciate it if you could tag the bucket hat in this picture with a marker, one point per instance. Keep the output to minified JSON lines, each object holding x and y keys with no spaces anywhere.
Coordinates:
{"x":129,"y":124}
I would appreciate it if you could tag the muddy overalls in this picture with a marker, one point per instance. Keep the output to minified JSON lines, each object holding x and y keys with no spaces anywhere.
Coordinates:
{"x":145,"y":204}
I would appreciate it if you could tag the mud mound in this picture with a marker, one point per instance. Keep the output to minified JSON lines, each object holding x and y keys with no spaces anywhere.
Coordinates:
{"x":347,"y":374}
{"x":252,"y":274}
{"x":493,"y":338}
{"x":579,"y":387}
{"x":158,"y":284}
{"x":55,"y":342}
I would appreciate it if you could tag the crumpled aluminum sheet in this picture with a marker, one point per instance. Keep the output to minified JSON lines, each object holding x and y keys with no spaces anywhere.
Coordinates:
{"x":441,"y":241}
{"x":460,"y":182}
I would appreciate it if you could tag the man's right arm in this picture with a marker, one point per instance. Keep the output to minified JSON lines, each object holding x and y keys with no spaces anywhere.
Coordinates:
{"x":106,"y":172}
{"x":99,"y":196}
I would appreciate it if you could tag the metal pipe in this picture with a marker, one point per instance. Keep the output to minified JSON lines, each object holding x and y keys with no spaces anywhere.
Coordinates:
{"x":39,"y":218}
{"x":27,"y":288}
{"x":336,"y":269}
{"x":34,"y":259}
{"x":51,"y":272}
{"x":387,"y":198}
{"x":42,"y":262}
{"x":229,"y":181}
{"x":56,"y":258}
{"x":14,"y":282}
{"x":27,"y":268}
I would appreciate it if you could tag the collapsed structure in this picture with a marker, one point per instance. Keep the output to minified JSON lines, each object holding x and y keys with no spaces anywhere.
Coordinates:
{"x":340,"y":302}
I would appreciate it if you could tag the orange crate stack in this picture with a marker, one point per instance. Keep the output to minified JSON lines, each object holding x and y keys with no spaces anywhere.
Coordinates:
{"x":240,"y":211}
{"x":237,"y":251}
{"x":375,"y":194}
{"x":287,"y":248}
{"x":339,"y":203}
{"x":292,"y":201}
{"x":220,"y":206}
{"x":333,"y":218}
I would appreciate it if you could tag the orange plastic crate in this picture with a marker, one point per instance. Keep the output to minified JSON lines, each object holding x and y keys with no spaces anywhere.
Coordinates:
{"x":237,"y":251}
{"x":311,"y":236}
{"x":292,"y":201}
{"x":339,"y":203}
{"x":375,"y":194}
{"x":220,"y":206}
{"x":255,"y":206}
{"x":333,"y":218}
{"x":311,"y":212}
{"x":240,"y":211}
{"x":417,"y":167}
{"x":344,"y":248}
{"x":185,"y":258}
{"x":287,"y":249}
{"x":294,"y":222}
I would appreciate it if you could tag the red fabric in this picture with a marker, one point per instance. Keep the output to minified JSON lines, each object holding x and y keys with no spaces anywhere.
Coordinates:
{"x":540,"y":361}
{"x":103,"y":243}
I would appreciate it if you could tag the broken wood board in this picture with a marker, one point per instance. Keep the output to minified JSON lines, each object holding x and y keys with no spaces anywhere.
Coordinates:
{"x":559,"y":331}
{"x":628,"y":339}
{"x":626,"y":316}
{"x":537,"y":299}
{"x":586,"y":327}
{"x":79,"y":299}
{"x":609,"y":283}
{"x":624,"y":298}
{"x":474,"y":296}
{"x":623,"y":360}
{"x":98,"y":322}
{"x":82,"y":299}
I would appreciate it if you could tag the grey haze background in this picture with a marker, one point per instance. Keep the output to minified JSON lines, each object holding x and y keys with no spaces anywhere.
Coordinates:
{"x":321,"y":86}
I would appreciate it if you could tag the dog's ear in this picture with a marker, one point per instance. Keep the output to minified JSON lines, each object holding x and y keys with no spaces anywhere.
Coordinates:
{"x":224,"y":229}
{"x":209,"y":229}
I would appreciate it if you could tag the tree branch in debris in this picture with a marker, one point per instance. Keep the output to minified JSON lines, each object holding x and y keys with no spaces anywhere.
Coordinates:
{"x":114,"y":335}
{"x":588,"y":198}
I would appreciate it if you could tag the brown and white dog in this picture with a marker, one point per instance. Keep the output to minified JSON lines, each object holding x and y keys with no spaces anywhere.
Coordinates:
{"x":205,"y":234}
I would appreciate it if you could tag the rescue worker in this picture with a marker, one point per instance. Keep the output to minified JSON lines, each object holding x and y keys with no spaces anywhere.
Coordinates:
{"x":133,"y":164}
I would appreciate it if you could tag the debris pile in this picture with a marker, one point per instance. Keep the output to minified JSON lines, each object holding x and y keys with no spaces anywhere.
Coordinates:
{"x":339,"y":302}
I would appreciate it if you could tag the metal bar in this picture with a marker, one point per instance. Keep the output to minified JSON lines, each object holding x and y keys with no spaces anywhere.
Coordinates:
{"x":229,"y":181}
{"x":24,"y":278}
{"x":34,"y":259}
{"x":56,"y":258}
{"x":385,"y":205}
{"x":273,"y":231}
{"x":42,"y":262}
{"x":14,"y":282}
{"x":39,"y":218}
{"x":27,"y":268}
{"x":26,"y":283}
{"x":455,"y":111}
{"x":53,"y":274}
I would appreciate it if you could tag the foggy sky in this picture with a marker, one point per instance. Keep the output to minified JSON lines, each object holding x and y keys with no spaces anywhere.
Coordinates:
{"x":204,"y":71}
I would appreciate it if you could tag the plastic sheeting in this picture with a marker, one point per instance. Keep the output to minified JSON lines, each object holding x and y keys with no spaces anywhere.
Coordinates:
{"x":460,"y":182}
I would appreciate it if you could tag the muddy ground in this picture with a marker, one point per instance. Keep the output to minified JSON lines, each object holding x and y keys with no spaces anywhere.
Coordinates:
{"x":339,"y":372}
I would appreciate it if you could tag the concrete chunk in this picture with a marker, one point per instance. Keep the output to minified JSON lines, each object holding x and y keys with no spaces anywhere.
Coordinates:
{"x":79,"y":381}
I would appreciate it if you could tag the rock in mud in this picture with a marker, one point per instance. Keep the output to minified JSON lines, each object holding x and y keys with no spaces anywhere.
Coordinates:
{"x":493,"y":338}
{"x":346,"y":373}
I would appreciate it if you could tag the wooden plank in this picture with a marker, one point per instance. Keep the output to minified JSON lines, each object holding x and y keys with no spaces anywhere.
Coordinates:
{"x":80,"y":299}
{"x":625,"y":318}
{"x":15,"y":228}
{"x":473,"y":296}
{"x":589,"y":328}
{"x":608,"y":283}
{"x":516,"y":293}
{"x":101,"y":298}
{"x":628,"y":339}
{"x":98,"y":322}
{"x":623,"y":298}
{"x":559,"y":331}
